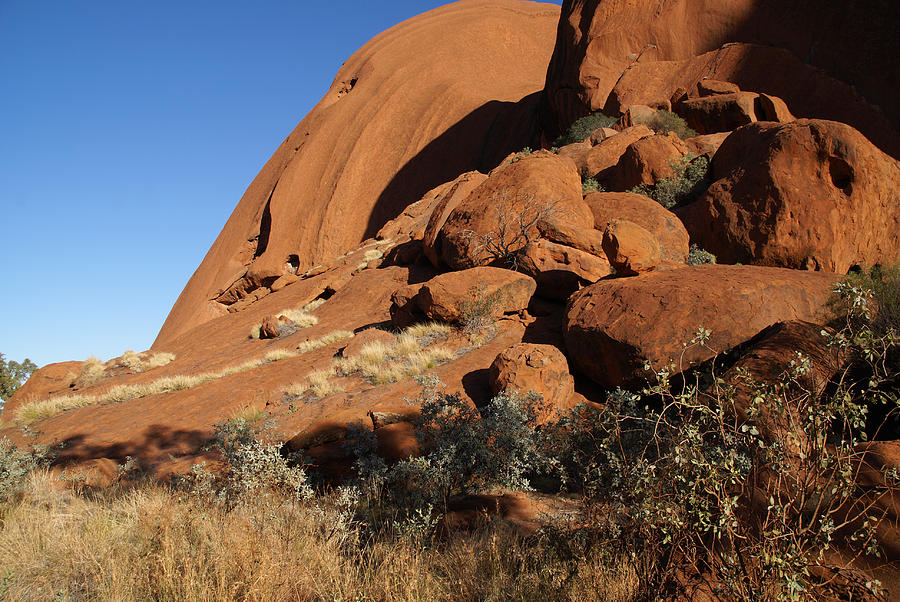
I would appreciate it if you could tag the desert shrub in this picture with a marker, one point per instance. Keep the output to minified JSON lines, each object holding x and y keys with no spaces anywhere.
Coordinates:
{"x":698,"y":256}
{"x":756,"y":490}
{"x":591,"y":185}
{"x":478,"y":312}
{"x":663,"y":122}
{"x":881,"y":285}
{"x":15,"y":466}
{"x":252,"y":467}
{"x":688,"y":182}
{"x":517,"y":226}
{"x":582,"y":128}
{"x":520,"y":155}
{"x":92,"y":370}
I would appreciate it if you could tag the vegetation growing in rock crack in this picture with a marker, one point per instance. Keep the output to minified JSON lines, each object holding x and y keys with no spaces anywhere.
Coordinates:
{"x":663,"y":122}
{"x":688,"y":181}
{"x":517,"y":226}
{"x":699,"y":256}
{"x":582,"y":127}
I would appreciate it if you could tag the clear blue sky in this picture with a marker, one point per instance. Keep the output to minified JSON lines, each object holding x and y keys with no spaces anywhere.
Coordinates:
{"x":128,"y":132}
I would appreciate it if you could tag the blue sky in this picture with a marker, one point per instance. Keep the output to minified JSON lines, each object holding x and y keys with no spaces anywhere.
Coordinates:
{"x":128,"y":132}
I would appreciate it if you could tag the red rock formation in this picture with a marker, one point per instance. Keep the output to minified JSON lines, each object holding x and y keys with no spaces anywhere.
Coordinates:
{"x":811,"y":53}
{"x":542,"y":369}
{"x":403,"y":115}
{"x":807,"y":194}
{"x":614,"y":326}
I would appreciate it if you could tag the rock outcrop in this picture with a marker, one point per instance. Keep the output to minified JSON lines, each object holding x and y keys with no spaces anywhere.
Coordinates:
{"x":614,"y":326}
{"x":808,"y":194}
{"x":542,"y":369}
{"x":403,"y":115}
{"x":646,"y":51}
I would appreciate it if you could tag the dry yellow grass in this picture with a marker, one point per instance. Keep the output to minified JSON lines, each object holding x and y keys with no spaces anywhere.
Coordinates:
{"x":299,"y":318}
{"x":248,"y":414}
{"x":150,"y":543}
{"x":317,"y":384}
{"x":41,"y":409}
{"x":92,"y":370}
{"x":141,"y":362}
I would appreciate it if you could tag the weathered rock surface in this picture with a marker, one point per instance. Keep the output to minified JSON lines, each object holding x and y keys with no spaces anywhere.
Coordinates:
{"x":807,"y":194}
{"x":502,"y":214}
{"x":706,"y":144}
{"x":630,"y":248}
{"x":614,"y":326}
{"x":663,"y":224}
{"x":540,"y":368}
{"x":447,"y":296}
{"x":560,"y":270}
{"x":647,"y":160}
{"x":403,"y":115}
{"x":792,"y":50}
{"x":719,"y":113}
{"x":603,"y":157}
{"x":449,"y":196}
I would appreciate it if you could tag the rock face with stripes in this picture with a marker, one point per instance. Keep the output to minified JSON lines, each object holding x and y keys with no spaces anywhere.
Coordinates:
{"x":449,"y":91}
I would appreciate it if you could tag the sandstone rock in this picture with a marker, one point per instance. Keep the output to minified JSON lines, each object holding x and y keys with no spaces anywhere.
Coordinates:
{"x":578,"y":153}
{"x":540,"y":368}
{"x":580,"y":236}
{"x":269,"y":328}
{"x":603,"y":157}
{"x":446,"y":296}
{"x":613,"y":326}
{"x":404,"y":310}
{"x":720,"y":113}
{"x":647,"y":160}
{"x":630,"y":248}
{"x":367,"y":336}
{"x":284,"y":281}
{"x":601,"y":134}
{"x":449,"y":196}
{"x":706,"y":144}
{"x":712,"y":87}
{"x":440,"y":94}
{"x":502,"y":214}
{"x":808,"y":193}
{"x":560,"y":270}
{"x":772,"y":108}
{"x":792,"y":50}
{"x":635,"y":115}
{"x":636,"y":208}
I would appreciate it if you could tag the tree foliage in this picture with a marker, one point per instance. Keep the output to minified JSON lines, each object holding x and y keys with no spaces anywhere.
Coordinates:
{"x":13,"y":375}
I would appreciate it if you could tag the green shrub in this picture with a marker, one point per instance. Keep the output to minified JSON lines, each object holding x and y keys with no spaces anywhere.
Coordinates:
{"x":519,"y":155}
{"x":882,"y":287}
{"x":591,"y":185}
{"x":663,"y":122}
{"x":583,"y":127}
{"x":698,"y":256}
{"x":252,"y":467}
{"x":685,"y":185}
{"x":16,"y":465}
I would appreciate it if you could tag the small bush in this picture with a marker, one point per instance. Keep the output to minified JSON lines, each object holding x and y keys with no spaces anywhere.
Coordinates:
{"x":591,"y":185}
{"x":583,"y":127}
{"x":92,"y":370}
{"x":882,"y":284}
{"x":688,"y":182}
{"x":698,"y":256}
{"x":663,"y":122}
{"x":519,"y":155}
{"x":478,"y":314}
{"x":16,"y":465}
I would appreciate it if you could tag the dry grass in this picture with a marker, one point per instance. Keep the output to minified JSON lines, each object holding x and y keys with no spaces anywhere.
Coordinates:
{"x":248,"y":414}
{"x":92,"y":370}
{"x":381,"y":363}
{"x":41,"y":409}
{"x":318,"y":384}
{"x":297,"y":318}
{"x":150,"y":543}
{"x":373,"y":254}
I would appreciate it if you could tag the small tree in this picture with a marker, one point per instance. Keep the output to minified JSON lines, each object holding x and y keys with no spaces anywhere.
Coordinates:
{"x":13,"y":375}
{"x":517,"y":226}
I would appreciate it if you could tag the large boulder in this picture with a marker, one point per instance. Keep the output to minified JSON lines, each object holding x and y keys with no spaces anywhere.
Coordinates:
{"x":807,"y":194}
{"x":603,"y":158}
{"x":630,"y":248}
{"x":719,"y":113}
{"x":542,"y":369}
{"x":449,"y":91}
{"x":447,"y":297}
{"x":614,"y":326}
{"x":790,"y":49}
{"x":647,"y":160}
{"x":503,"y":214}
{"x":636,"y":208}
{"x":449,"y":196}
{"x":560,"y":270}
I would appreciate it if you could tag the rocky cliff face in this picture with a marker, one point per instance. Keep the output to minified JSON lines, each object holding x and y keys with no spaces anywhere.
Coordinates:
{"x":449,"y":91}
{"x":827,"y":58}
